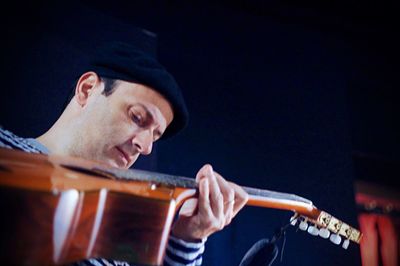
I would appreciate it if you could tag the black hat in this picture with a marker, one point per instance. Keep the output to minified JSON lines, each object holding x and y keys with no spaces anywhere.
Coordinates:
{"x":126,"y":62}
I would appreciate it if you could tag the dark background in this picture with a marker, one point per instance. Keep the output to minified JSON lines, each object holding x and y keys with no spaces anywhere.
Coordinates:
{"x":294,"y":97}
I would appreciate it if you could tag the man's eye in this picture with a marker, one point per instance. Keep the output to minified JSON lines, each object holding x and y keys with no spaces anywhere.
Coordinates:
{"x":137,"y":119}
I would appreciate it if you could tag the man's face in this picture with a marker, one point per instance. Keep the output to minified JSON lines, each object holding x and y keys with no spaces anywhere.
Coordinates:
{"x":116,"y":129}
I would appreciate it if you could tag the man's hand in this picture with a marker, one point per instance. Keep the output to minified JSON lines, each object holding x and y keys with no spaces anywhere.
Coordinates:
{"x":219,"y":201}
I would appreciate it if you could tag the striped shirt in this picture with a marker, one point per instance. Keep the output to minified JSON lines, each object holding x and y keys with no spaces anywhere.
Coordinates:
{"x":178,"y":253}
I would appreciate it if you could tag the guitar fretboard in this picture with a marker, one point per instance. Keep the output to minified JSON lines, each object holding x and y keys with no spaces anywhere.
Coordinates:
{"x":185,"y":182}
{"x":275,"y":195}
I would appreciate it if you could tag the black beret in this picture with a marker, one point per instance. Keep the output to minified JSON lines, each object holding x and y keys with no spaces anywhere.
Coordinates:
{"x":117,"y":60}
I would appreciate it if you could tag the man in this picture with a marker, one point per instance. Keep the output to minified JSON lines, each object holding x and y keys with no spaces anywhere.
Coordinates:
{"x":122,"y":104}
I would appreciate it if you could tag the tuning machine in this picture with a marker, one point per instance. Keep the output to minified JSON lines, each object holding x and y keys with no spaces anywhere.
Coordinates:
{"x":303,"y":225}
{"x":313,"y":230}
{"x":324,"y":233}
{"x":324,"y":229}
{"x":336,"y":239}
{"x":294,"y":218}
{"x":346,"y":244}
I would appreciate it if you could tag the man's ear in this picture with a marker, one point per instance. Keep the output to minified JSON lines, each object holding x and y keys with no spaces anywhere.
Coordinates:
{"x":85,"y":86}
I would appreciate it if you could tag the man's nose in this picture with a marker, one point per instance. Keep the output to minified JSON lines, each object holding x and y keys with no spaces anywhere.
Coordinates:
{"x":144,"y":142}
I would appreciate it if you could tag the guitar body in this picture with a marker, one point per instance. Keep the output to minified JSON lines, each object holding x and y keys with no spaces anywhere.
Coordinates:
{"x":54,"y":215}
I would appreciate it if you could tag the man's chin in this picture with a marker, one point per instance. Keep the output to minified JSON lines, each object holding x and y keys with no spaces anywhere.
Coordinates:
{"x":123,"y":164}
{"x":112,"y":163}
{"x":119,"y":161}
{"x":118,"y":164}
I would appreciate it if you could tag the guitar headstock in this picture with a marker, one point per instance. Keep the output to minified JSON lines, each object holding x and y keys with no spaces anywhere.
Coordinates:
{"x":327,"y":226}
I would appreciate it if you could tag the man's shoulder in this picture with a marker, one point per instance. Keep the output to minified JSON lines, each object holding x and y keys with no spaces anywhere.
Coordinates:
{"x":11,"y":141}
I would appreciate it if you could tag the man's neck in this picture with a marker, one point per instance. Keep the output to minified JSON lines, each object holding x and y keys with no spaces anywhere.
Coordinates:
{"x":44,"y":141}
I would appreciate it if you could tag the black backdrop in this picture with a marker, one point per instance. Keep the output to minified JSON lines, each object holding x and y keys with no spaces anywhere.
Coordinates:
{"x":276,"y":99}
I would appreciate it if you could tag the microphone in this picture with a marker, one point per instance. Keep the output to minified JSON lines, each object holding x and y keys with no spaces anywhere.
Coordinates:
{"x":262,"y":253}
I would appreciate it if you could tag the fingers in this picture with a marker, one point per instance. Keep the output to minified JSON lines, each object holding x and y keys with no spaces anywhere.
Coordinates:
{"x":189,"y":207}
{"x":204,"y":199}
{"x":219,"y":201}
{"x":214,"y":200}
{"x":241,"y":198}
{"x":237,"y":197}
{"x":226,"y":199}
{"x":216,"y":196}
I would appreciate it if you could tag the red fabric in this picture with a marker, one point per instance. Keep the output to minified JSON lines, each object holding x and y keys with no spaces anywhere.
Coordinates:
{"x":379,"y":245}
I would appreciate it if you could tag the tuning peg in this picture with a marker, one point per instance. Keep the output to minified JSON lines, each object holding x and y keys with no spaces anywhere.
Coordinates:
{"x":345,"y":244}
{"x":324,"y":233}
{"x":303,"y":225}
{"x":294,"y":218}
{"x":312,"y":230}
{"x":336,"y":239}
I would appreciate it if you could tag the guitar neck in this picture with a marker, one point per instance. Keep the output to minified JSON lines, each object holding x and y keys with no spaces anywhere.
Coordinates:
{"x":257,"y":197}
{"x":283,"y":201}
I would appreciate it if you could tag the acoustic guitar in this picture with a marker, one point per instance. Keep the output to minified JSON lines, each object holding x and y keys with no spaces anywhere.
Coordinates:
{"x":59,"y":210}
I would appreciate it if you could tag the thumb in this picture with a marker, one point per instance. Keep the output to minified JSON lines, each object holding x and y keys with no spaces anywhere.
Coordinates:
{"x":189,"y":207}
